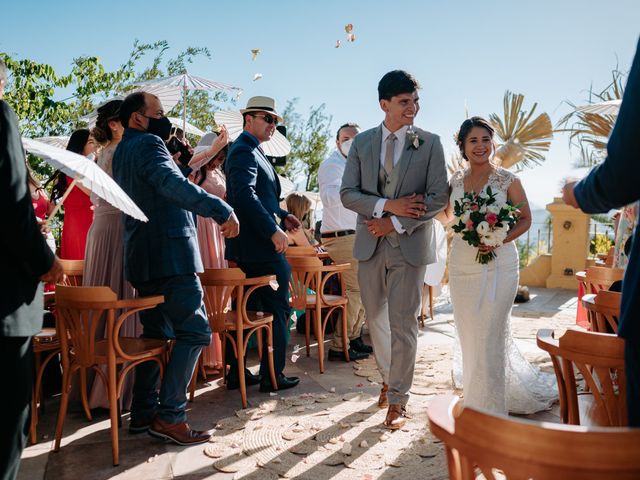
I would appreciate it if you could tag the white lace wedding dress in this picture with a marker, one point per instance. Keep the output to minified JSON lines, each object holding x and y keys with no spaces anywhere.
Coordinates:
{"x":495,"y":375}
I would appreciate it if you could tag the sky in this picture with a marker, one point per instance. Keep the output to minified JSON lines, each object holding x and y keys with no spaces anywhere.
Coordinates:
{"x":465,"y":54}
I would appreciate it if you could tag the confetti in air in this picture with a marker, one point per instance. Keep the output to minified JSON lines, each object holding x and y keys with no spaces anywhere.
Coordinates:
{"x":337,"y":43}
{"x":257,"y":76}
{"x":254,"y":53}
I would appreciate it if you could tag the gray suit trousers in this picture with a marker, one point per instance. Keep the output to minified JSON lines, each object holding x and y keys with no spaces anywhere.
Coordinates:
{"x":391,"y":292}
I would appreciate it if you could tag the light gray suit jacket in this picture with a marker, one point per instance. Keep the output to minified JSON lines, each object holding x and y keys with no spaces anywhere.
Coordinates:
{"x":422,"y":170}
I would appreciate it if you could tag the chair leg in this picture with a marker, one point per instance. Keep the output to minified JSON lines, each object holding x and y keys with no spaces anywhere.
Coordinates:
{"x":272,"y":370}
{"x":307,"y":331}
{"x":345,"y":335}
{"x":83,"y":393}
{"x":223,"y":342}
{"x":240,"y":359}
{"x":64,"y":404}
{"x":320,"y":337}
{"x":259,"y":340}
{"x":112,"y":393}
{"x":33,"y":435}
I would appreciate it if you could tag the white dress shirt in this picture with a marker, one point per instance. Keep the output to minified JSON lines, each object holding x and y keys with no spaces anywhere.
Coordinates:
{"x":401,"y":135}
{"x":334,"y":216}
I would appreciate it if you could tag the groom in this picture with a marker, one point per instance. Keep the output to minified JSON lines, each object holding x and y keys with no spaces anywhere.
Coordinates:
{"x":395,"y":179}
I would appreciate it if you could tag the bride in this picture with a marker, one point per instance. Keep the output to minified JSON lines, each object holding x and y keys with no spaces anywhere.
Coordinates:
{"x":496,"y":377}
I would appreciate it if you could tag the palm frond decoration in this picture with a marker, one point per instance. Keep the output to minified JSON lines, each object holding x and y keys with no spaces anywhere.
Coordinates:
{"x":590,"y":131}
{"x":524,"y":139}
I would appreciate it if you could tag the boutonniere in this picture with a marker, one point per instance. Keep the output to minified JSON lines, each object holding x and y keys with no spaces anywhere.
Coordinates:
{"x":414,"y":140}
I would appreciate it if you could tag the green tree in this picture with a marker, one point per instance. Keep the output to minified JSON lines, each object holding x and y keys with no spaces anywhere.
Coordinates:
{"x":309,"y":138}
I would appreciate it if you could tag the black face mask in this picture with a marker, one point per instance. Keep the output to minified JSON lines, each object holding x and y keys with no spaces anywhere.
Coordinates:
{"x":160,"y":127}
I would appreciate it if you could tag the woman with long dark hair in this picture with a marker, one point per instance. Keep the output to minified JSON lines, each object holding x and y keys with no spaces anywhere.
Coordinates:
{"x":78,"y":210}
{"x":104,"y":254}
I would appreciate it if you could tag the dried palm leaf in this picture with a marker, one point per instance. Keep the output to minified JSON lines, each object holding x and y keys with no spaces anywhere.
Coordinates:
{"x":589,"y":131}
{"x":523,"y":141}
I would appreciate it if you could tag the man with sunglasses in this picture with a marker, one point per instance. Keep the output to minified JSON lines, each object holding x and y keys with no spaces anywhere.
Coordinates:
{"x":253,"y":190}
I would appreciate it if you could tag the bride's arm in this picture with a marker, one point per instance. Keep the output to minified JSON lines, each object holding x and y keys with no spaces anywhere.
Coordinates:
{"x":517,"y":195}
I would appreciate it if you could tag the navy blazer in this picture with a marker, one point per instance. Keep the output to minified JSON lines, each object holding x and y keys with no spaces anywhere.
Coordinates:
{"x":253,"y":190}
{"x":167,"y":245}
{"x":615,"y":183}
{"x":24,"y":253}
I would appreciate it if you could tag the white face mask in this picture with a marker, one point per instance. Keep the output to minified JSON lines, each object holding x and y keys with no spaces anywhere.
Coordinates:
{"x":346,"y":146}
{"x":92,"y":157}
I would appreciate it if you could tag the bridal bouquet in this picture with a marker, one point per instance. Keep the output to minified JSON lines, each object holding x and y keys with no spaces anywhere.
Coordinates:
{"x":482,"y":222}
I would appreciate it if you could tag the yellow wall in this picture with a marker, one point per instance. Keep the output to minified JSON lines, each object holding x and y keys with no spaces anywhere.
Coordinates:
{"x":569,"y":253}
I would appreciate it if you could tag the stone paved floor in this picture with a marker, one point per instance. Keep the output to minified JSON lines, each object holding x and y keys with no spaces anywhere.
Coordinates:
{"x":86,"y":450}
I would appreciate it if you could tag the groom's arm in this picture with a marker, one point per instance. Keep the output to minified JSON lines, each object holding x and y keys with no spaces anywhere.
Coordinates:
{"x":436,"y":191}
{"x":351,"y":193}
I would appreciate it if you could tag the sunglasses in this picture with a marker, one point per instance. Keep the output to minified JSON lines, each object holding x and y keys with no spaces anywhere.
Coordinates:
{"x":267,"y":118}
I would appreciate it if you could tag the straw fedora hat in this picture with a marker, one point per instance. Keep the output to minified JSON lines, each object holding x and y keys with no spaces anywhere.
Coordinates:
{"x":261,"y":104}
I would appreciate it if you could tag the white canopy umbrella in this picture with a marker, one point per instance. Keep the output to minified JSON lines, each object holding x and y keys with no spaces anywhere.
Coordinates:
{"x":87,"y":173}
{"x":610,"y":107}
{"x":184,"y":82}
{"x":189,"y":128}
{"x":286,"y":186}
{"x":278,"y":146}
{"x":60,"y":141}
{"x":168,"y":96}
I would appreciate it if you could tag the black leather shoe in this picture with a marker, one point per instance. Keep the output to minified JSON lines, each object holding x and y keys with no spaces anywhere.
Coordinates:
{"x":335,"y":355}
{"x":359,"y":346}
{"x":283,"y":383}
{"x":233,"y":383}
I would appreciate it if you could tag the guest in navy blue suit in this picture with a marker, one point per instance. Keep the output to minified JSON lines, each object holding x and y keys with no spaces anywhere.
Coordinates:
{"x":162,"y":258}
{"x":253,"y":190}
{"x":613,"y":184}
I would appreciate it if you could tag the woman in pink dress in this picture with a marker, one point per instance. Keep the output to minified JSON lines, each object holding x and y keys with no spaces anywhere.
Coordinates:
{"x":207,"y":161}
{"x":78,"y":210}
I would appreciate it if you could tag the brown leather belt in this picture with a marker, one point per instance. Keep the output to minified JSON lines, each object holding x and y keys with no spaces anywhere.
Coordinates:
{"x":339,"y":233}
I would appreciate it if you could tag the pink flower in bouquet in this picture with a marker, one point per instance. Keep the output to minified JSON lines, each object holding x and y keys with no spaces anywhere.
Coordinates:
{"x":475,"y":207}
{"x":470,"y":225}
{"x":491,"y":218}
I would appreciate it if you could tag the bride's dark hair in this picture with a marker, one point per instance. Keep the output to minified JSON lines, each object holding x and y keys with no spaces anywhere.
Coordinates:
{"x":466,"y":128}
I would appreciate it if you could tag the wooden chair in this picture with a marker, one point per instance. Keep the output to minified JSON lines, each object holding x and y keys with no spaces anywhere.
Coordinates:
{"x":506,"y":447}
{"x":599,"y":357}
{"x":309,"y":274}
{"x":46,"y":347}
{"x":221,"y":287}
{"x":601,"y":278}
{"x":603,"y":311}
{"x":300,"y":251}
{"x":79,"y":310}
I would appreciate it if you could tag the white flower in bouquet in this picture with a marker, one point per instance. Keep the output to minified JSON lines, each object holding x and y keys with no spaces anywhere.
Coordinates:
{"x":483,"y":209}
{"x":493,"y":209}
{"x":491,"y":240}
{"x":483,"y":228}
{"x":465,"y":216}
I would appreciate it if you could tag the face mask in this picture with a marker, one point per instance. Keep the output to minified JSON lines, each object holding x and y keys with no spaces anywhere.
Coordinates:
{"x":160,"y":127}
{"x":346,"y":146}
{"x":92,"y":157}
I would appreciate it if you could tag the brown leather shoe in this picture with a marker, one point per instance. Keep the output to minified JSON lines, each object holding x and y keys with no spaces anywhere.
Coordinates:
{"x":383,"y":401}
{"x":396,"y":417}
{"x":179,"y":433}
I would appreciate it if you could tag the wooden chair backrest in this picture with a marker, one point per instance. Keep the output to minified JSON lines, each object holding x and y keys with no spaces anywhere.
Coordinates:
{"x":79,"y":313}
{"x":221,"y":286}
{"x":522,"y":449}
{"x":73,"y":271}
{"x":305,"y":276}
{"x":599,"y":357}
{"x":601,"y":278}
{"x":604,"y":311}
{"x":300,"y":251}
